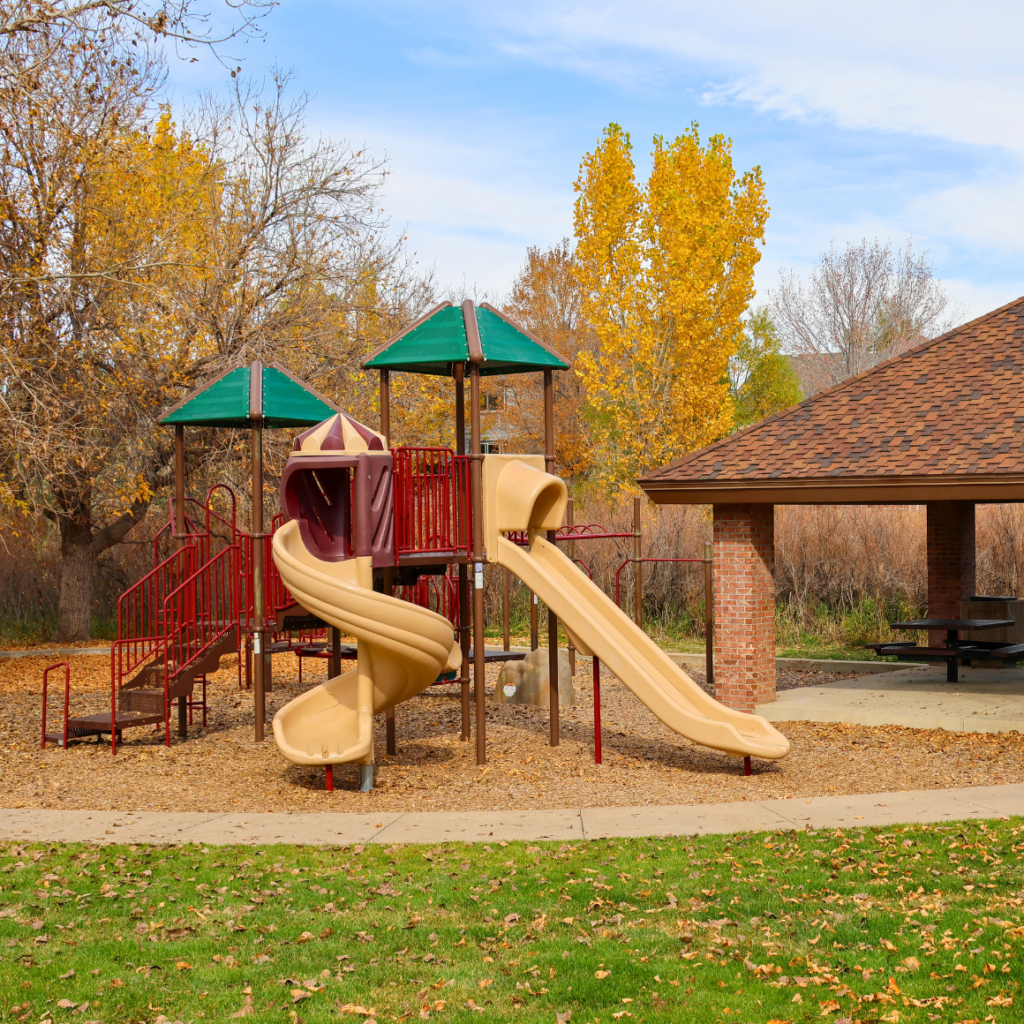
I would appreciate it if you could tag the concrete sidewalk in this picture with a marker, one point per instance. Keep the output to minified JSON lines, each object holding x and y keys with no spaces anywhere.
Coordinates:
{"x":490,"y":826}
{"x":985,"y":700}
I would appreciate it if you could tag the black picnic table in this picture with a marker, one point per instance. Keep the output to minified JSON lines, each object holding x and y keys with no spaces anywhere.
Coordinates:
{"x":955,"y":649}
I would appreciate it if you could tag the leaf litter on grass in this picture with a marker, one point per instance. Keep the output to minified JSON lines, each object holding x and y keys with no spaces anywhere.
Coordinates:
{"x":910,"y":923}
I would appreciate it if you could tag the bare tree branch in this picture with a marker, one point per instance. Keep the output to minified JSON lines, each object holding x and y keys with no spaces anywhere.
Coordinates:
{"x":858,"y":308}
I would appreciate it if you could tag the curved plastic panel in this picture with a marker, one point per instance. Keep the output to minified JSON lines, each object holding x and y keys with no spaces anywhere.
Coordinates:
{"x":402,"y":650}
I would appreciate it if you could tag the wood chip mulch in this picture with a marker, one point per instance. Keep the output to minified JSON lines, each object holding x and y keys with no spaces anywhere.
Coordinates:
{"x":221,"y":769}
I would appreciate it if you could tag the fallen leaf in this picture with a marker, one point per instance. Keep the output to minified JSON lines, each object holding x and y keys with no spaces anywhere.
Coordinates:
{"x":413,"y":921}
{"x":911,"y":963}
{"x":355,"y":1008}
{"x":829,"y":1006}
{"x":887,"y":944}
{"x":602,"y":974}
{"x":304,"y":937}
{"x":67,"y":1004}
{"x":994,"y":1001}
{"x":182,"y":966}
{"x":485,"y":982}
{"x":70,"y":974}
{"x":298,"y":994}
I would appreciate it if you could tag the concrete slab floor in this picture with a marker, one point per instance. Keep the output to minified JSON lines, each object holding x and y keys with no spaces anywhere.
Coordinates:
{"x":984,"y":700}
{"x":327,"y":829}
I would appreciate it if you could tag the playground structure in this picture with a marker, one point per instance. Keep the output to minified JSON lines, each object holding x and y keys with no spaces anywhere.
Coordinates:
{"x":340,"y":527}
{"x":363,"y":504}
{"x":376,"y":542}
{"x":210,"y":596}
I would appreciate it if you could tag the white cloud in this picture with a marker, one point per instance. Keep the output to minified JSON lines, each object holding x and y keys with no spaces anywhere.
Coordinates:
{"x":987,"y":213}
{"x":471,"y":206}
{"x":950,"y":70}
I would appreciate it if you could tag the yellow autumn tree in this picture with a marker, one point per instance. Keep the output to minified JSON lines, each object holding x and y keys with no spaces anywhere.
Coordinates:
{"x":666,"y":271}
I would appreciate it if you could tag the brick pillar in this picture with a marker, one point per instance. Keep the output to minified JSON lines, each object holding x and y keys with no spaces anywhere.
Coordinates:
{"x":951,"y":560}
{"x":744,"y":570}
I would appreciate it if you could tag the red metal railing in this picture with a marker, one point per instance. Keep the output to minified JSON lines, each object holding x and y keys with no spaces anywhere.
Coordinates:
{"x":438,"y":593}
{"x":633,"y":561}
{"x":197,"y":614}
{"x":276,"y":595}
{"x":140,"y":613}
{"x":67,"y":698}
{"x":590,"y":531}
{"x":432,"y":507}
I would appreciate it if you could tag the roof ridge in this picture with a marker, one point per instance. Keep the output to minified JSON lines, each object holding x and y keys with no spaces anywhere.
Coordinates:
{"x":831,"y":391}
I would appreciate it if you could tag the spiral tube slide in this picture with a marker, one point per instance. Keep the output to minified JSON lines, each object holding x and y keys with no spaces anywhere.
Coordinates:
{"x":521,"y":497}
{"x":402,"y":650}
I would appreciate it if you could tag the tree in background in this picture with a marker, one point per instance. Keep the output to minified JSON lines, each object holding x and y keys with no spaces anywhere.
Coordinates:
{"x":666,"y":273}
{"x":92,"y":20}
{"x":858,"y":308}
{"x":137,"y":261}
{"x":546,"y":300}
{"x":763,"y":381}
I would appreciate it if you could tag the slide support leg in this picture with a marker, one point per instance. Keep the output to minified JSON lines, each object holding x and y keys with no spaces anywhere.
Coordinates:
{"x":365,"y":778}
{"x":329,"y":778}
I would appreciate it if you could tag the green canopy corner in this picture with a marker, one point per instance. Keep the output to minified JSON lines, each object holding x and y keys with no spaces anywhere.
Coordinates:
{"x":450,"y":335}
{"x":267,"y":394}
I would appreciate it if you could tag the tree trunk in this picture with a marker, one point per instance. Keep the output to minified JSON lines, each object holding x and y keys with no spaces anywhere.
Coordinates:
{"x":77,"y":562}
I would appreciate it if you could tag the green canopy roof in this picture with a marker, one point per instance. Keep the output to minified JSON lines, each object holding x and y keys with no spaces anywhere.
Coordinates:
{"x":450,"y":335}
{"x":238,"y":397}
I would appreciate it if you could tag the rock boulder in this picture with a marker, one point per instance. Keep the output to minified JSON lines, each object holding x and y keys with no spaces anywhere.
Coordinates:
{"x":526,"y":681}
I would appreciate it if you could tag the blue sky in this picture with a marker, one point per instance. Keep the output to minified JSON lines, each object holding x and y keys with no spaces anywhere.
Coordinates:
{"x":882,"y":119}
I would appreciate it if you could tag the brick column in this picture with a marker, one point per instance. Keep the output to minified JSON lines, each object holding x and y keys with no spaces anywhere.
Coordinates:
{"x":951,"y":560}
{"x":744,"y":570}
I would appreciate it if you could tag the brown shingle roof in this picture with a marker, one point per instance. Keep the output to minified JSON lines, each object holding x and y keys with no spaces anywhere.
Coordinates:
{"x":944,"y":420}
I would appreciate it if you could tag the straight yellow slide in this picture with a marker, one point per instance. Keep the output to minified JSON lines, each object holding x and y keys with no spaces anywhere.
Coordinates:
{"x":402,"y":650}
{"x":519,"y":496}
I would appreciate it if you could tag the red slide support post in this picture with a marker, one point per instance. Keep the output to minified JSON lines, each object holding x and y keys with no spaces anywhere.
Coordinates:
{"x":67,"y":699}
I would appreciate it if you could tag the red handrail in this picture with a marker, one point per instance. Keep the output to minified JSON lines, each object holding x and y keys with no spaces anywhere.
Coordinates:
{"x":140,"y":627}
{"x":197,"y":614}
{"x":233,"y":525}
{"x":67,"y":698}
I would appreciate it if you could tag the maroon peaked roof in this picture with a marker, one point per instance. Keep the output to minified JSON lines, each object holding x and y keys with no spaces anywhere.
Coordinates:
{"x":944,"y":421}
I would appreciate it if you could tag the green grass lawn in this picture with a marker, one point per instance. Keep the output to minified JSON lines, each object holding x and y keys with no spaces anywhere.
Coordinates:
{"x":916,"y":923}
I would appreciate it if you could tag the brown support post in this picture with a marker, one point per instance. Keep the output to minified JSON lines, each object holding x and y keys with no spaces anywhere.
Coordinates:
{"x":638,"y":596}
{"x":459,"y":371}
{"x":385,"y":405}
{"x":388,"y":574}
{"x":259,"y":635}
{"x":709,"y":616}
{"x":179,"y":484}
{"x":534,"y":627}
{"x":549,"y":465}
{"x":506,"y":638}
{"x":475,"y":348}
{"x":570,"y":521}
{"x":335,"y":652}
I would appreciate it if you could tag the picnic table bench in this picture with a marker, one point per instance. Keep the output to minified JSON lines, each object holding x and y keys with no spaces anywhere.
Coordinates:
{"x":955,"y":651}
